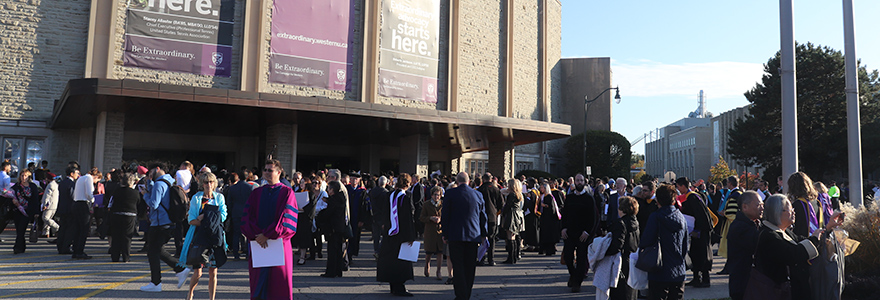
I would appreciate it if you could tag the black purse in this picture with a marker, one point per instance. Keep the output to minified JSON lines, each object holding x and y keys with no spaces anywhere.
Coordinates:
{"x":650,"y":259}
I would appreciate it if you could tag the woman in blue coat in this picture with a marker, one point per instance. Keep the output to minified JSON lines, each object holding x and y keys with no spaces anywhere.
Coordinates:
{"x":198,"y":222}
{"x":667,"y":227}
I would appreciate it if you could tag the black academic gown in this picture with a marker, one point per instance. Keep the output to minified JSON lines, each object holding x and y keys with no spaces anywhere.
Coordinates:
{"x":389,"y":268}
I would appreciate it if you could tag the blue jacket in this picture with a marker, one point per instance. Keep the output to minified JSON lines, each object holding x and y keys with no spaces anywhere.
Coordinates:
{"x":463,"y":217}
{"x":668,"y":227}
{"x":159,"y":193}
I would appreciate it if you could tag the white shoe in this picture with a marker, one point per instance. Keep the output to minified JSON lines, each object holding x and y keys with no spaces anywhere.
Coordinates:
{"x":181,"y":277}
{"x":155,"y":288}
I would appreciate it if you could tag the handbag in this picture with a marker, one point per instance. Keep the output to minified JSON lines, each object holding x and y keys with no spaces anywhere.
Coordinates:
{"x":761,"y":287}
{"x":650,"y":259}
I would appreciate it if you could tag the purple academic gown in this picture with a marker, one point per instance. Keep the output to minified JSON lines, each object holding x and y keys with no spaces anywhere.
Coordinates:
{"x":272,"y":211}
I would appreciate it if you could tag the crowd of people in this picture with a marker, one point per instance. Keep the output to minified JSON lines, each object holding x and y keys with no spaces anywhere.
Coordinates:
{"x":214,"y":214}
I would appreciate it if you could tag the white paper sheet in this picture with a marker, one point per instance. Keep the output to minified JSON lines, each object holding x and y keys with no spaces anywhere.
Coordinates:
{"x":271,"y":256}
{"x":690,"y":222}
{"x":302,"y":199}
{"x":409,"y":253}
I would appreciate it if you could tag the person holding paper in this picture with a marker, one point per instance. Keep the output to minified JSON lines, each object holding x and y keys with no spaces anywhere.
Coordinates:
{"x":398,"y":230}
{"x":700,"y":250}
{"x":464,"y":227}
{"x":271,"y":213}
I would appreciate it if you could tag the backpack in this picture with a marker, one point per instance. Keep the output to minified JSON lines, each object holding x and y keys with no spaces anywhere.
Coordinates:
{"x":178,"y":203}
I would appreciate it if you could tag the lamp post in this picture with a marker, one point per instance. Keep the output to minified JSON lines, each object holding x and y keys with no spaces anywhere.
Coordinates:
{"x":587,"y":102}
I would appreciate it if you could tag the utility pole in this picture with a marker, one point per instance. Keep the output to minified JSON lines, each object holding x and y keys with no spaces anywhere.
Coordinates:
{"x":789,"y":91}
{"x":853,"y":125}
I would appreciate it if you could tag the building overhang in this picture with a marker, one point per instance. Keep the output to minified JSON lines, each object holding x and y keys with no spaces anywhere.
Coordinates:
{"x":213,"y":111}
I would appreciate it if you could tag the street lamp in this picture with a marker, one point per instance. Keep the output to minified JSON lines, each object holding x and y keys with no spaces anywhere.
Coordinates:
{"x":587,"y":102}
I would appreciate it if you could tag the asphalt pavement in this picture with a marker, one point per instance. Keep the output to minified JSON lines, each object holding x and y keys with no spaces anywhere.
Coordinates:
{"x":41,"y":273}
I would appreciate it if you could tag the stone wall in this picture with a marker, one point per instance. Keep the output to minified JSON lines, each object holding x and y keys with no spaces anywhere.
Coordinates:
{"x":113,"y":139}
{"x":526,"y":68}
{"x":481,"y":57}
{"x":177,"y":78}
{"x":42,"y":45}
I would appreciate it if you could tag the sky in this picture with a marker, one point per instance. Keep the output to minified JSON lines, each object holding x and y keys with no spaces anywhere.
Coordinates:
{"x":664,"y":52}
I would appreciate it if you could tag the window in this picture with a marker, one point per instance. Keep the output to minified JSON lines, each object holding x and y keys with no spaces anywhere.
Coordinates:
{"x":22,"y":150}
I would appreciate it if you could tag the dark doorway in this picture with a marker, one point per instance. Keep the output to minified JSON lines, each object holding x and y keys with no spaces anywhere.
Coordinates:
{"x":215,"y":160}
{"x":310,"y":163}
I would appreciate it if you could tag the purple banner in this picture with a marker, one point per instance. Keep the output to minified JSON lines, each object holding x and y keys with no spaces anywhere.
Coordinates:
{"x":187,"y":57}
{"x":175,"y":36}
{"x":409,"y":49}
{"x":310,"y":43}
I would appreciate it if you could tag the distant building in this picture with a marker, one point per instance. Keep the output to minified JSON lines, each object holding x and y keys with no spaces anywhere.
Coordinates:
{"x":721,"y":125}
{"x":691,"y":146}
{"x":682,"y":147}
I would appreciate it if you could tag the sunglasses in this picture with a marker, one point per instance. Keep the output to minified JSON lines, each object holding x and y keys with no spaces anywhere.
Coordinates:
{"x":268,"y":170}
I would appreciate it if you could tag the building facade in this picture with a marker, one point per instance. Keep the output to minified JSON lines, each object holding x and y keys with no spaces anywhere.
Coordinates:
{"x":314,"y":83}
{"x":721,"y":125}
{"x":682,"y":147}
{"x":691,"y":146}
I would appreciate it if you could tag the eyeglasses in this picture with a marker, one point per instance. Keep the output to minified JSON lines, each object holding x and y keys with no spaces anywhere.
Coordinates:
{"x":268,"y":170}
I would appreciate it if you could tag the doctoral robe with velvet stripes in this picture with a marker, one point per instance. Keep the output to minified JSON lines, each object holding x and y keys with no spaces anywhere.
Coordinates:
{"x":272,"y":211}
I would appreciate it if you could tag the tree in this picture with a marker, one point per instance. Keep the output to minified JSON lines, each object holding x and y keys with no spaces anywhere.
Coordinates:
{"x":821,"y":99}
{"x":720,"y":171}
{"x":608,"y":153}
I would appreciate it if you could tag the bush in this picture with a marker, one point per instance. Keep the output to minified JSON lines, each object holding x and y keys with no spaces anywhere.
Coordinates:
{"x":863,"y":266}
{"x":608,"y":153}
{"x":536,"y":174}
{"x":863,"y":225}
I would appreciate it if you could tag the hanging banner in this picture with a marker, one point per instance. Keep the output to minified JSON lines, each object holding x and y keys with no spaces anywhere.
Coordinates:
{"x":409,"y":49}
{"x":190,"y":36}
{"x":311,"y":43}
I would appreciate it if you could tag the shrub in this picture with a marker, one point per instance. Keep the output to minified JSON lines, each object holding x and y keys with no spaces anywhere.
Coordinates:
{"x":863,"y":225}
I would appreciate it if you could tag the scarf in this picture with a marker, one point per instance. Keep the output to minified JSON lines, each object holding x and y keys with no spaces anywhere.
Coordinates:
{"x":395,"y":222}
{"x":556,"y":207}
{"x":814,"y":222}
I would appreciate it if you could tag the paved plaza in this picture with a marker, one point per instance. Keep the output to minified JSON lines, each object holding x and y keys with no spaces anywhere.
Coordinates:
{"x":41,"y":273}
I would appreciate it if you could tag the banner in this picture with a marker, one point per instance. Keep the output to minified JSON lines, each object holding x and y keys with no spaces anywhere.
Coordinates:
{"x":310,"y":43}
{"x":190,"y":36}
{"x":409,"y":49}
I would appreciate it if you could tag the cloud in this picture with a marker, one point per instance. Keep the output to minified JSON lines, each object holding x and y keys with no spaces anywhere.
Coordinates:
{"x":718,"y":79}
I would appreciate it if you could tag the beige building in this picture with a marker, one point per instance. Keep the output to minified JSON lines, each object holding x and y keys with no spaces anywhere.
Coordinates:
{"x":691,"y":146}
{"x":721,"y":125}
{"x":79,"y":84}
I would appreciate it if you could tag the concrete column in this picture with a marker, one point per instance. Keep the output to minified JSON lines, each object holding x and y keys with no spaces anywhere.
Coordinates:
{"x":109,"y":137}
{"x":282,"y":138}
{"x":502,"y":159}
{"x":86,"y":148}
{"x":370,"y":156}
{"x":456,"y":162}
{"x":414,"y":154}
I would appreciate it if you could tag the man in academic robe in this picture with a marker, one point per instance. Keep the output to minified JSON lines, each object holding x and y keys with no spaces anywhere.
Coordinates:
{"x":271,"y":214}
{"x":699,"y":250}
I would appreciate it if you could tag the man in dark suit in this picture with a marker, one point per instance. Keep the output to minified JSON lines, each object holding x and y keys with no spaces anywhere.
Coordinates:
{"x":64,"y":242}
{"x":464,"y":228}
{"x":378,"y":203}
{"x":493,"y":201}
{"x":742,"y":239}
{"x":579,"y":219}
{"x":236,"y":197}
